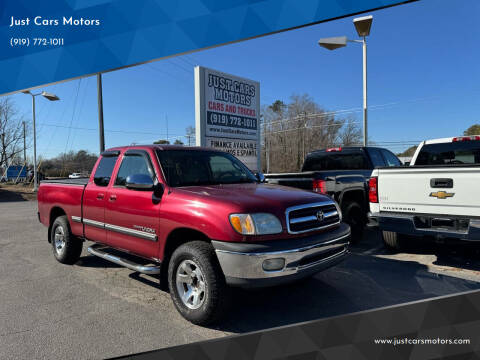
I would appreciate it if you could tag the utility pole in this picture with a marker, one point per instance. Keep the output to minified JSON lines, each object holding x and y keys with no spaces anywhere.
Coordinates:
{"x":101,"y":132}
{"x":24,"y":144}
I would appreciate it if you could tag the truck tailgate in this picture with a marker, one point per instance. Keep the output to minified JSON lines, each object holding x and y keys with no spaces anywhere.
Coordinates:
{"x":430,"y":190}
{"x":303,"y":180}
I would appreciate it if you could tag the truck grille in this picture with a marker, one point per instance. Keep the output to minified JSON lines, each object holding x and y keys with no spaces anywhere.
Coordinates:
{"x":311,"y":217}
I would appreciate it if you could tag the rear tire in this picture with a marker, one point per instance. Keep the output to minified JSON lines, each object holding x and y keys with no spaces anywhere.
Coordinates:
{"x":197,"y":284}
{"x":392,"y":240}
{"x":66,"y":247}
{"x":355,"y":217}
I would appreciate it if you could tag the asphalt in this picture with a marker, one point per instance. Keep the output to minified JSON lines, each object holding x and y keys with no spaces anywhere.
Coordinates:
{"x":95,"y":309}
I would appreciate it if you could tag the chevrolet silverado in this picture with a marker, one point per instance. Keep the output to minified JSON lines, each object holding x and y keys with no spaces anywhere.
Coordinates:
{"x":435,"y":197}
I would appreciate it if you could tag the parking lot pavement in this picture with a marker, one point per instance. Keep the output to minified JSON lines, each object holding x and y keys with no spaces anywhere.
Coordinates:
{"x":96,"y":309}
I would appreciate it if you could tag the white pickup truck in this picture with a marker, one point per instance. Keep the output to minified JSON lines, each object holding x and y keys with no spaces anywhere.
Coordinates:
{"x":437,"y":196}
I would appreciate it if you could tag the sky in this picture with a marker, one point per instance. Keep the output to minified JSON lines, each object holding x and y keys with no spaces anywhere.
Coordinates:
{"x":423,"y":82}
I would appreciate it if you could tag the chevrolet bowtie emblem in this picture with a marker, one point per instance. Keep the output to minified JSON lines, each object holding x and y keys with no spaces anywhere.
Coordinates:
{"x":441,"y":194}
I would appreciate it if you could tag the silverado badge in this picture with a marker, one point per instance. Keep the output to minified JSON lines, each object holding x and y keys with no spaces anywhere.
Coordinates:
{"x":441,"y":194}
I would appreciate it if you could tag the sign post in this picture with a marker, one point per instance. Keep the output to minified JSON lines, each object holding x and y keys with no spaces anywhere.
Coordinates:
{"x":227,"y":114}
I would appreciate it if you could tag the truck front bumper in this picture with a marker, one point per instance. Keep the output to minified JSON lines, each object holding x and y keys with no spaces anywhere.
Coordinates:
{"x":244,"y":264}
{"x":409,"y":224}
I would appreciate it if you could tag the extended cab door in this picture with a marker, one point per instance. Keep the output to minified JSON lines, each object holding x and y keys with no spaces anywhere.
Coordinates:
{"x":132,"y":217}
{"x":95,"y":196}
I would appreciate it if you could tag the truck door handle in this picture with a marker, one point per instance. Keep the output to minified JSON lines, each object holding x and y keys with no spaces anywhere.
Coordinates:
{"x":100,"y":196}
{"x":441,"y":183}
{"x":113,"y":197}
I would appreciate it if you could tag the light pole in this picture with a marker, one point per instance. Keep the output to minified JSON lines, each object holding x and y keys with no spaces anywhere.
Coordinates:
{"x":362,"y":25}
{"x":51,"y":97}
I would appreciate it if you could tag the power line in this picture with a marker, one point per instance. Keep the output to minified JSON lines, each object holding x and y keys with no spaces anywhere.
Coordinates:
{"x":186,"y":60}
{"x":55,"y":130}
{"x":85,"y":88}
{"x":106,"y":130}
{"x":179,"y":66}
{"x":356,"y":109}
{"x":179,"y":80}
{"x":73,"y":113}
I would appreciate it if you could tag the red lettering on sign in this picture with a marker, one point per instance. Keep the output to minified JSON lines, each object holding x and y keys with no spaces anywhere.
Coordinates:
{"x":246,"y":111}
{"x":212,"y":105}
{"x":231,"y":109}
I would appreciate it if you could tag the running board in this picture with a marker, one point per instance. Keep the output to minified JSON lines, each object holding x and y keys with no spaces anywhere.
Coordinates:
{"x":149,"y":270}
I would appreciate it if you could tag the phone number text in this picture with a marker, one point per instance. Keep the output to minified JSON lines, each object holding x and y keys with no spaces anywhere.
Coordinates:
{"x":26,"y":42}
{"x":215,"y":118}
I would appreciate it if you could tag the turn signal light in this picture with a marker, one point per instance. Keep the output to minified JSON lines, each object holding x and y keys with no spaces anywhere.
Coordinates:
{"x":373,"y":190}
{"x":320,"y":186}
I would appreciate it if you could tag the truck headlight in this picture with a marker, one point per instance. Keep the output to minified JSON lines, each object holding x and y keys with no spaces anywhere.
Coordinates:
{"x":256,"y":224}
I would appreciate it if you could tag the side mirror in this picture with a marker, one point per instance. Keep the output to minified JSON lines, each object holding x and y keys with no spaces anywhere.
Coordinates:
{"x":139,"y":182}
{"x":101,"y":181}
{"x":158,"y":190}
{"x":260,"y":177}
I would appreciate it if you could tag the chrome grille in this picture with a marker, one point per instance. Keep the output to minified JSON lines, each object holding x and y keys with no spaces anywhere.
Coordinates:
{"x":310,"y":217}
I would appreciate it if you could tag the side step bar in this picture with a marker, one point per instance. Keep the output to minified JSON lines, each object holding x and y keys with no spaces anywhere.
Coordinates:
{"x":97,"y":251}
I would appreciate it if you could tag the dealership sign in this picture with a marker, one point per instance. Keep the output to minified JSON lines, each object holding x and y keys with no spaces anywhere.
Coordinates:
{"x":227,"y":112}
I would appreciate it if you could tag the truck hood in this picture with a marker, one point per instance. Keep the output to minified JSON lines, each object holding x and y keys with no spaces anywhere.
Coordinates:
{"x":253,"y":197}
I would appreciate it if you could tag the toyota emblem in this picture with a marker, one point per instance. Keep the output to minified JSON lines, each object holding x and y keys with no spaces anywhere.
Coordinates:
{"x":320,"y":215}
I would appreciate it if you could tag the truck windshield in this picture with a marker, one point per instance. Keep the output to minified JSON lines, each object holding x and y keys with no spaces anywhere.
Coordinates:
{"x":192,"y":168}
{"x":460,"y":152}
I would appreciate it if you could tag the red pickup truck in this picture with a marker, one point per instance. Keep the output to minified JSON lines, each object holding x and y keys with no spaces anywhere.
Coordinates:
{"x":197,"y":217}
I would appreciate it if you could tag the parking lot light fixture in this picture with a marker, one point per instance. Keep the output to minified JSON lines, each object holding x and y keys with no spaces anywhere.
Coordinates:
{"x":333,"y":43}
{"x":51,"y":97}
{"x":363,"y":26}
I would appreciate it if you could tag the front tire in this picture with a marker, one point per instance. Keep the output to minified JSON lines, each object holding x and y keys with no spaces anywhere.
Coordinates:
{"x":66,"y":247}
{"x":197,"y":284}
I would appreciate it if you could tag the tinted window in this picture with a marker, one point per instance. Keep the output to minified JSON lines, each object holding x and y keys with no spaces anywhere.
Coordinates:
{"x":462,"y":152}
{"x":104,"y":170}
{"x":190,"y":168}
{"x":390,"y":159}
{"x":335,"y":161}
{"x":224,"y":169}
{"x":376,"y":157}
{"x":134,"y":164}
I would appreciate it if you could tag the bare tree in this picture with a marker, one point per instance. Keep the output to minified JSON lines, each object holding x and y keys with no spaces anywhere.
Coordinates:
{"x":290,"y":131}
{"x":81,"y":161}
{"x":190,"y":134}
{"x":350,"y":134}
{"x":11,"y":132}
